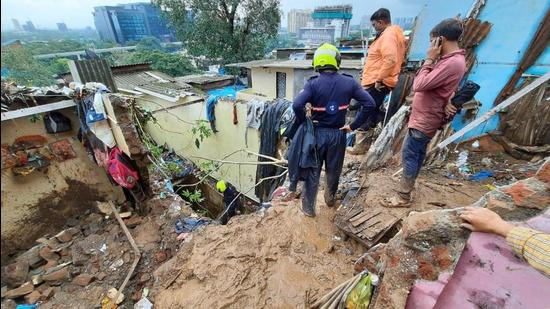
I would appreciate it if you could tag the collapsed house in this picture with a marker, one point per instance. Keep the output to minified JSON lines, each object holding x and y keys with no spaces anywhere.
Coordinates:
{"x":75,"y":235}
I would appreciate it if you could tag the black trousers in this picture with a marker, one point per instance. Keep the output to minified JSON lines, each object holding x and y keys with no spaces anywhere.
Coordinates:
{"x":379,"y":96}
{"x":331,"y":148}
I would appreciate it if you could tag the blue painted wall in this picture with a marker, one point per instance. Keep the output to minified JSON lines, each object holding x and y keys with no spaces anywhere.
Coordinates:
{"x":432,"y":13}
{"x":514,"y":25}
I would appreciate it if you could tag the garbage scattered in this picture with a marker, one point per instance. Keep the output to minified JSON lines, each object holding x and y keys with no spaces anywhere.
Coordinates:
{"x":462,"y":163}
{"x":481,"y":175}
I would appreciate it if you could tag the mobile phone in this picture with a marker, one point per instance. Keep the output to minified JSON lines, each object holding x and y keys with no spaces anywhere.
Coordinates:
{"x":438,"y":41}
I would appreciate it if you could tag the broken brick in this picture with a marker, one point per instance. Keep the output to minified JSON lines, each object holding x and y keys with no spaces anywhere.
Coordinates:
{"x":32,"y":257}
{"x":16,"y":273}
{"x":58,"y":275}
{"x":48,"y":292}
{"x":83,"y":279}
{"x":47,"y":254}
{"x":24,"y":289}
{"x":48,"y":265}
{"x":160,"y":256}
{"x":101,"y":276}
{"x":33,"y":297}
{"x":78,"y":258}
{"x":64,"y":236}
{"x":144,"y":277}
{"x":133,"y":221}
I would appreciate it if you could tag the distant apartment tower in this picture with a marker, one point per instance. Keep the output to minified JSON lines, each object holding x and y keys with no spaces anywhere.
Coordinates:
{"x":29,"y":26}
{"x":298,"y":19}
{"x":130,"y":22}
{"x":324,"y":16}
{"x":16,"y":25}
{"x":62,"y":27}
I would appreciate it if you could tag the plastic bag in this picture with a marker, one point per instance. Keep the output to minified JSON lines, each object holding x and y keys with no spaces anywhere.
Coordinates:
{"x":359,"y":297}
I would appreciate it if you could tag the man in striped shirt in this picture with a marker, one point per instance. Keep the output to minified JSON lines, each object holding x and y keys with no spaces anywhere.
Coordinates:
{"x":532,"y":245}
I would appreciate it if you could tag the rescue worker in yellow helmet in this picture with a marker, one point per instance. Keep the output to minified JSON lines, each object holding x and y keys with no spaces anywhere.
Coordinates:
{"x":330,"y":94}
{"x":232,"y":204}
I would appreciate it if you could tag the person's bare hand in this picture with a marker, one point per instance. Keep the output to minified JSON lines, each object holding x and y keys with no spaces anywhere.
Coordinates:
{"x":479,"y":219}
{"x":346,"y":128}
{"x":450,"y":109}
{"x":434,"y":51}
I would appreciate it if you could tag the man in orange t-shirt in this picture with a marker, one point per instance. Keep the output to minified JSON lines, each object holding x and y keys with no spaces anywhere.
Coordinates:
{"x":385,"y":56}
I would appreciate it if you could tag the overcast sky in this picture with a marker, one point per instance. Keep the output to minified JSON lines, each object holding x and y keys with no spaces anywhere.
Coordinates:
{"x":78,"y":13}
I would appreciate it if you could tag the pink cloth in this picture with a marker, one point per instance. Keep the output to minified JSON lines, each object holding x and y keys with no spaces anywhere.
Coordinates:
{"x":488,"y":275}
{"x":433,"y":87}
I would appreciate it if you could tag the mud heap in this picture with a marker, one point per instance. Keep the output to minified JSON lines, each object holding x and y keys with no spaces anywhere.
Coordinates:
{"x":276,"y":258}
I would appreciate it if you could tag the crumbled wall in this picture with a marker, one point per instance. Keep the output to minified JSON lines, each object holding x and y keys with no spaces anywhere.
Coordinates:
{"x":37,"y":204}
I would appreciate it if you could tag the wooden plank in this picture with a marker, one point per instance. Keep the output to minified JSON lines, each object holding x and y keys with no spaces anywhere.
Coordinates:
{"x":359,"y":222}
{"x":115,"y":127}
{"x":357,"y":216}
{"x":23,"y":112}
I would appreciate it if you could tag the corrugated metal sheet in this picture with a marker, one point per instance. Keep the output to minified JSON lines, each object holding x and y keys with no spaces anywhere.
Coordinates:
{"x":97,"y":70}
{"x":150,"y":80}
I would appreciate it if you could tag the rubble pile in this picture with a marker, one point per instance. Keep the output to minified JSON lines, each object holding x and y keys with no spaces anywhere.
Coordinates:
{"x":276,"y":258}
{"x":79,"y":265}
{"x":430,"y":243}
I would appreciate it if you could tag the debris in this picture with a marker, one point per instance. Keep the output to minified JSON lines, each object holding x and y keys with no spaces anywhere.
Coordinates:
{"x":481,"y":175}
{"x":101,"y":276}
{"x":57,"y":276}
{"x":33,"y":297}
{"x":116,"y":264}
{"x":104,"y":208}
{"x":144,"y":277}
{"x":475,"y":144}
{"x":462,"y":163}
{"x":24,"y":289}
{"x":47,"y":254}
{"x":115,"y":295}
{"x":83,"y":279}
{"x":126,"y":215}
{"x":147,"y":233}
{"x":64,"y":236}
{"x":486,"y":162}
{"x":62,"y":150}
{"x":37,"y":279}
{"x":31,"y":256}
{"x":16,"y":273}
{"x":133,"y":221}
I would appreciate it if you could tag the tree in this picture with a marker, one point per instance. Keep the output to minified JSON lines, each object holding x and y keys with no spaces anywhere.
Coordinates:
{"x":149,"y":43}
{"x":228,"y":30}
{"x":24,"y":69}
{"x":59,"y":65}
{"x":171,"y":64}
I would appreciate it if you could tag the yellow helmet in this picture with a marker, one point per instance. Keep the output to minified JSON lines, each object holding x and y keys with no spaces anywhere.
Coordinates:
{"x":326,"y":56}
{"x":221,"y":186}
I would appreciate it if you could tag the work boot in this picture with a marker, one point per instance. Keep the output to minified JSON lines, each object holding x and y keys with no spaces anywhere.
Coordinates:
{"x":361,"y":144}
{"x":405,"y":188}
{"x":308,"y":209}
{"x":330,"y":199}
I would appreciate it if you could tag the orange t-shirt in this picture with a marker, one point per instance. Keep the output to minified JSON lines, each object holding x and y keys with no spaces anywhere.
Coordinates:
{"x":384,"y":58}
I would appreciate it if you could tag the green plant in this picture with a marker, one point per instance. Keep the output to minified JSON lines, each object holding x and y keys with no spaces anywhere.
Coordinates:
{"x":208,"y":166}
{"x":34,"y":118}
{"x":193,"y":197}
{"x":200,"y":131}
{"x":173,"y":167}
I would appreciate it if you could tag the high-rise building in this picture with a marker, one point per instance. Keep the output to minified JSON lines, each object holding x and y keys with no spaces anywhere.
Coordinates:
{"x":324,"y":16}
{"x":16,"y":25}
{"x":62,"y":27}
{"x":298,"y":19}
{"x":130,"y":22}
{"x":29,"y":26}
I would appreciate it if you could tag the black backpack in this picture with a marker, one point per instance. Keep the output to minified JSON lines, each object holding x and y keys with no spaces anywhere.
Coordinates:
{"x":56,"y":122}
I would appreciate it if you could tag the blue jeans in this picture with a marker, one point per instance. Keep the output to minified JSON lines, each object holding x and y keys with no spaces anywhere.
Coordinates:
{"x":413,"y":154}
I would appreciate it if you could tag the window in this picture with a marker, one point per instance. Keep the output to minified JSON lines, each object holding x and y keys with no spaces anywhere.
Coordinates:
{"x":281,"y":85}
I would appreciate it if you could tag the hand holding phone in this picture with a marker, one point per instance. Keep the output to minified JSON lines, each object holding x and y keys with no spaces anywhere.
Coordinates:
{"x":435,"y":49}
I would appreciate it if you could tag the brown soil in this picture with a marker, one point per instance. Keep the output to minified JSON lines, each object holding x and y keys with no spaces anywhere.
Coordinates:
{"x":50,"y":214}
{"x":280,"y":260}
